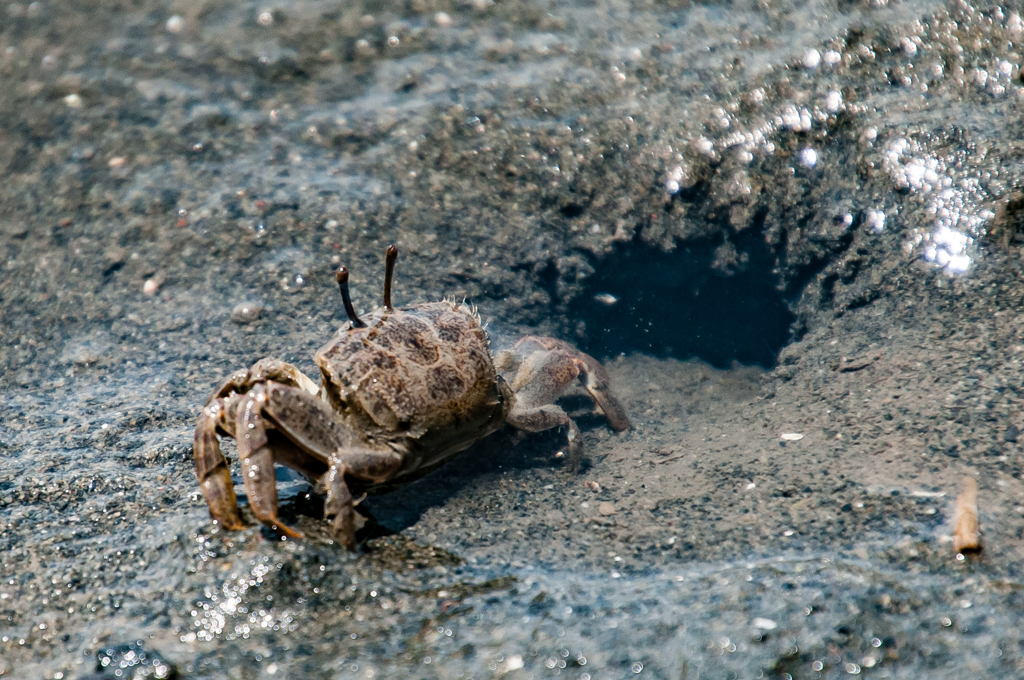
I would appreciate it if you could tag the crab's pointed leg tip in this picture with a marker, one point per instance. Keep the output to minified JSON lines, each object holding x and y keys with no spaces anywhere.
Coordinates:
{"x":287,"y":532}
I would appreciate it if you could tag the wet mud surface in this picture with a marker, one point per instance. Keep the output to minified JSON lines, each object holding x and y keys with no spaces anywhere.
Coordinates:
{"x":765,"y":219}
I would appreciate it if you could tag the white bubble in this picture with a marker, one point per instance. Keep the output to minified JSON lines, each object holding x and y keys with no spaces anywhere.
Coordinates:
{"x":265,"y":18}
{"x":443,"y":19}
{"x":833,"y":100}
{"x":808,"y":157}
{"x":796,"y":120}
{"x":914,"y":173}
{"x":514,"y":663}
{"x":703,"y":146}
{"x":958,"y":264}
{"x":176,"y":24}
{"x":1014,"y":24}
{"x":831,"y":57}
{"x":874,"y":220}
{"x":791,"y":117}
{"x":812,"y":58}
{"x":908,"y":46}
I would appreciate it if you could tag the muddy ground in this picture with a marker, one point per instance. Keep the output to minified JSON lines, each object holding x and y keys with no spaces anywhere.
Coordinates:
{"x":167,"y":166}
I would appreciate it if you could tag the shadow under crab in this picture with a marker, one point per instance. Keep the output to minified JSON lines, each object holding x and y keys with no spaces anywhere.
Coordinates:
{"x":400,"y":394}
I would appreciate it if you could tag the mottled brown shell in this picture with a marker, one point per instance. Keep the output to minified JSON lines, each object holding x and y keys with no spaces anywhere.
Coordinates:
{"x":423,"y":374}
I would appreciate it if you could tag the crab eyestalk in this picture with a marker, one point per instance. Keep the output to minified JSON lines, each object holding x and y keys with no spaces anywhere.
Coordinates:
{"x":390,"y":255}
{"x":350,"y":311}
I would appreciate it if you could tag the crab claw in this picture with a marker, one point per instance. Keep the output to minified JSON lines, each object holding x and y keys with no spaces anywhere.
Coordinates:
{"x":546,"y":366}
{"x":595,"y":380}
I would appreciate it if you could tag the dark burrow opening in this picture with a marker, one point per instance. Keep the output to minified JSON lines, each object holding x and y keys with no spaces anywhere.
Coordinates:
{"x":717,"y":301}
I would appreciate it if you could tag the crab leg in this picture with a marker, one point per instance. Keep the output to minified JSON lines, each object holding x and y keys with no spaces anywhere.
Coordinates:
{"x":312,"y":427}
{"x":258,"y":460}
{"x":545,"y":418}
{"x":366,"y":465}
{"x":212,"y":469}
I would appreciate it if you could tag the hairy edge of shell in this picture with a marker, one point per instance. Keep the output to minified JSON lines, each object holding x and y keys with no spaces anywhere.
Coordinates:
{"x":468,"y":307}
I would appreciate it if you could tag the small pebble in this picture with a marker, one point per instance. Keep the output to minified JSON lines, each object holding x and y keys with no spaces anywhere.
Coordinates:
{"x":443,"y":19}
{"x":151,"y":286}
{"x":792,"y":436}
{"x":84,"y":356}
{"x":593,"y":486}
{"x":1011,"y":434}
{"x":73,"y":101}
{"x":606,"y":508}
{"x":117,"y":162}
{"x":246,"y":312}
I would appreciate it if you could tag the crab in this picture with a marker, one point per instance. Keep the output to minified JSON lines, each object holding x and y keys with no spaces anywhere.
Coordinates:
{"x":400,"y":394}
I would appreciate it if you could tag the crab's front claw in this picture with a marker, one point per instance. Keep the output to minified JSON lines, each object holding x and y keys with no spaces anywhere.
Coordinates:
{"x":595,"y":379}
{"x":544,"y":367}
{"x":262,"y":371}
